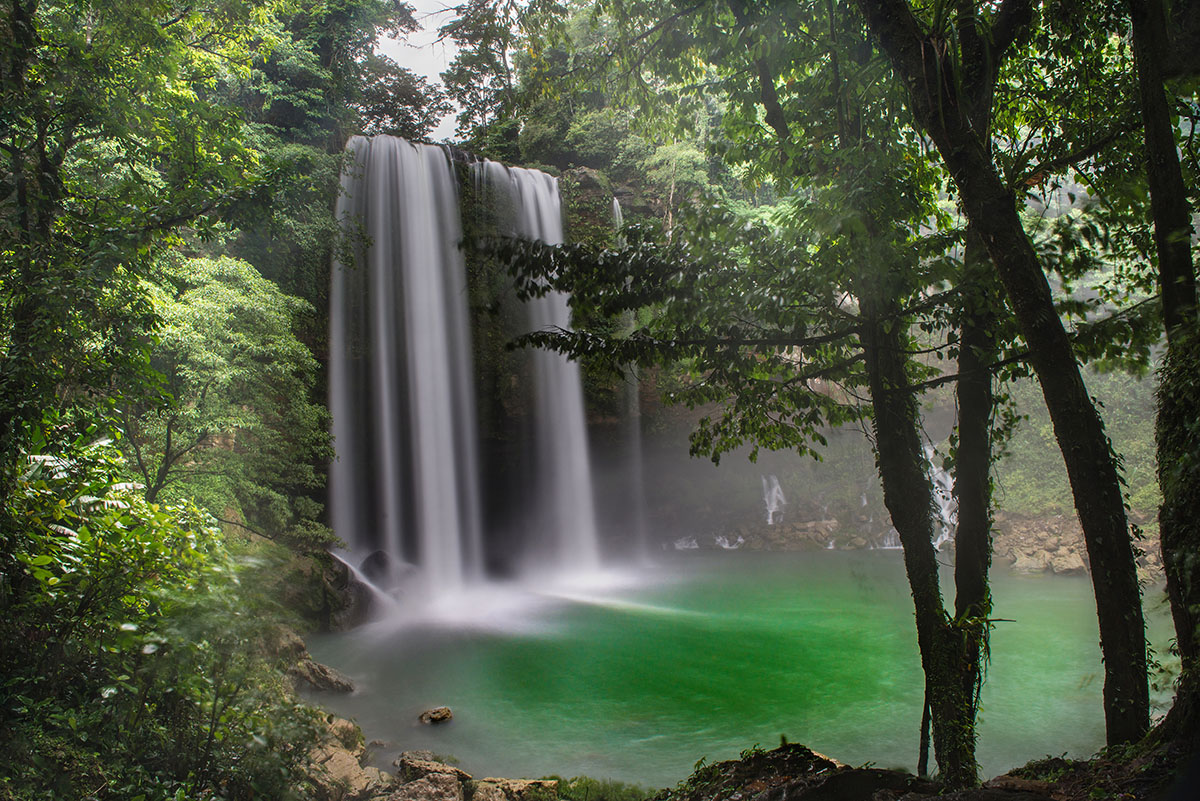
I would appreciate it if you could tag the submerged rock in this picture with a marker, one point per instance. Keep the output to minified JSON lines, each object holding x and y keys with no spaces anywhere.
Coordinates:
{"x":439,"y":714}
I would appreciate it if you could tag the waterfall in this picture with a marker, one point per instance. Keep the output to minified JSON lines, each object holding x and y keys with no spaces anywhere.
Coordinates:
{"x":943,"y":498}
{"x":773,"y":499}
{"x":530,"y":201}
{"x":406,"y":486}
{"x":635,"y":456}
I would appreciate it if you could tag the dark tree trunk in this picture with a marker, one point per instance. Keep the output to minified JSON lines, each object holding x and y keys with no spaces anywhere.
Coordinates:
{"x":1177,"y":432}
{"x":978,"y":317}
{"x":991,"y":208}
{"x":972,"y":475}
{"x":1178,"y":440}
{"x":1168,"y":196}
{"x":908,"y":496}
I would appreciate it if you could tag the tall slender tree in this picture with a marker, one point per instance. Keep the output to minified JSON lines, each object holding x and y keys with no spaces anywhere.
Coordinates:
{"x":1178,"y":435}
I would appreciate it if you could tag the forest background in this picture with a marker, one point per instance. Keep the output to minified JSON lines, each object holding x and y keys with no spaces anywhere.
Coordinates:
{"x":804,"y":251}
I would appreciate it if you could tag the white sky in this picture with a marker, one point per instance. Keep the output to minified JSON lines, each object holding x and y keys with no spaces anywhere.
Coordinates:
{"x":421,"y":54}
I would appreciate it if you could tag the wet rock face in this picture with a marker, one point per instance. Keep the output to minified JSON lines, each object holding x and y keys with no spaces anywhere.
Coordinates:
{"x":348,"y":599}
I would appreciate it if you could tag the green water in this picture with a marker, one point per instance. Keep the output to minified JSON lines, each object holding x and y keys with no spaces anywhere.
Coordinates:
{"x":711,"y":653}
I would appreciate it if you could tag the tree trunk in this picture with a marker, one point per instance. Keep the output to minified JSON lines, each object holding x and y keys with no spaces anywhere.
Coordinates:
{"x":1178,"y":440}
{"x":908,"y":496}
{"x":1176,"y":431}
{"x":972,"y":473}
{"x":1168,"y":196}
{"x":991,"y":208}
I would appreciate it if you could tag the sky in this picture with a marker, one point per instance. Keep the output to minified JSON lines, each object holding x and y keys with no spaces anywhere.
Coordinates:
{"x":422,"y":54}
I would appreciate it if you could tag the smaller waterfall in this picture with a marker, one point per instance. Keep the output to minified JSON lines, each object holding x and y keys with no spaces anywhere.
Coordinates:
{"x":943,"y":498}
{"x":773,"y":499}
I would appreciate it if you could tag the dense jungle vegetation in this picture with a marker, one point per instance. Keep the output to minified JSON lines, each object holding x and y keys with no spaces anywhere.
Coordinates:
{"x":837,"y":213}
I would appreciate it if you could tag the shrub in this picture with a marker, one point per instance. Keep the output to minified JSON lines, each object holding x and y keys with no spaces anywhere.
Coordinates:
{"x":128,"y":665}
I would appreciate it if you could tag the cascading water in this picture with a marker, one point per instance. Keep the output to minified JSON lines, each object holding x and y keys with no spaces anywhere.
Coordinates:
{"x":405,"y":483}
{"x":773,"y":499}
{"x":569,"y":542}
{"x":943,"y":497}
{"x":405,"y":489}
{"x":633,"y":423}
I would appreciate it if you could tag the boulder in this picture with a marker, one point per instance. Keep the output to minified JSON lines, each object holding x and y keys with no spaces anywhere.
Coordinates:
{"x":517,"y":789}
{"x":486,"y":791}
{"x":439,"y":714}
{"x":337,"y":776}
{"x":319,"y":677}
{"x":1029,"y":563}
{"x":412,"y":767}
{"x":1068,"y":562}
{"x":434,"y":787}
{"x":418,"y":754}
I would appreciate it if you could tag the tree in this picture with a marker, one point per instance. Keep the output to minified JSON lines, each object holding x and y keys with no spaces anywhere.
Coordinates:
{"x":107,"y":150}
{"x":918,"y":51}
{"x":314,"y":81}
{"x":1179,"y":402}
{"x":481,"y":79}
{"x":239,"y":425}
{"x":129,"y":669}
{"x":798,"y":95}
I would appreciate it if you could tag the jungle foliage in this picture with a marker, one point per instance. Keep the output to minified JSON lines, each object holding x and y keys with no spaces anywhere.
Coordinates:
{"x":167,"y":178}
{"x":834,"y":211}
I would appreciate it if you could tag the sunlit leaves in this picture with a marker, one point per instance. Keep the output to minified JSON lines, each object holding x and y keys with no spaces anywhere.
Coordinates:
{"x":240,"y":424}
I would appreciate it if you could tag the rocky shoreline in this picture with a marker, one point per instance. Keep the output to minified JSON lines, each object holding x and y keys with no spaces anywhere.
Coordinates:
{"x":1026,"y":544}
{"x":341,"y":773}
{"x":791,"y":772}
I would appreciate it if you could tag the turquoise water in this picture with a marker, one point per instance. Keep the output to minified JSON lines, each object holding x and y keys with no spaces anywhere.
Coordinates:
{"x":711,"y":653}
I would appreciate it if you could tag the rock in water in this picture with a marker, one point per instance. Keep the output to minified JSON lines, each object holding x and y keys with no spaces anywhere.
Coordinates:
{"x":439,"y":714}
